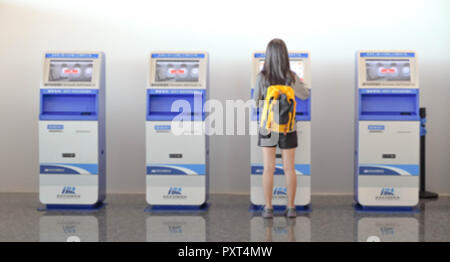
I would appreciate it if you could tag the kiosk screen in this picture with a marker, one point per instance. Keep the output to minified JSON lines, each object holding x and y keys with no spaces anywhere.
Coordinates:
{"x":388,"y":70}
{"x":177,"y":71}
{"x":70,"y":71}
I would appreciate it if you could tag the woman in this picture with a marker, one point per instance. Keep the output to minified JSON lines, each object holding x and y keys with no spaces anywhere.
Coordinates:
{"x":276,"y":71}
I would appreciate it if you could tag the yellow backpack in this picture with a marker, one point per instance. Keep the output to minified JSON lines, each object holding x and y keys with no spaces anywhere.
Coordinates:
{"x":279,"y":109}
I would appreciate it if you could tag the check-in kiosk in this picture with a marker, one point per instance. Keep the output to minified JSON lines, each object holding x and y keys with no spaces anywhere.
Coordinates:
{"x":176,"y":142}
{"x":300,"y":64}
{"x":72,"y":145}
{"x":387,"y":129}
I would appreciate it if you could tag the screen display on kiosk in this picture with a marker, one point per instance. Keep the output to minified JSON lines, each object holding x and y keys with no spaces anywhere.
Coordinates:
{"x":388,"y":70}
{"x":177,"y":71}
{"x":70,"y":71}
{"x":296,"y":66}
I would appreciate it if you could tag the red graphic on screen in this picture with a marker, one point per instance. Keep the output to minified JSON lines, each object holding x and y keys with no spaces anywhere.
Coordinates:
{"x":388,"y":70}
{"x":177,"y":71}
{"x":71,"y":71}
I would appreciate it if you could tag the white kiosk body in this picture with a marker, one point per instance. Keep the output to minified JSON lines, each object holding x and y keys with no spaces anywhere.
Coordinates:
{"x":300,"y":64}
{"x":387,"y":131}
{"x":72,"y":142}
{"x":177,"y":146}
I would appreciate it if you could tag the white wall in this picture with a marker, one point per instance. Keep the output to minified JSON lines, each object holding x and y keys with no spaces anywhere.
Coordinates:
{"x":230,"y":31}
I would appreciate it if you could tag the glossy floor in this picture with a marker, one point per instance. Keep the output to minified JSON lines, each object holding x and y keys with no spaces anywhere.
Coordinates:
{"x":123,"y":219}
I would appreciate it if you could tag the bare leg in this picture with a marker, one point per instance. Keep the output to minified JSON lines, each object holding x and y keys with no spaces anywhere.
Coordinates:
{"x":289,"y":173}
{"x":269,"y":169}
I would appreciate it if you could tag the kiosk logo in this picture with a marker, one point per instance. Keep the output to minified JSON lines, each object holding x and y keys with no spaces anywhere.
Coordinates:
{"x":68,"y":192}
{"x":175,"y":193}
{"x":279,"y":193}
{"x":175,"y":229}
{"x":387,"y":193}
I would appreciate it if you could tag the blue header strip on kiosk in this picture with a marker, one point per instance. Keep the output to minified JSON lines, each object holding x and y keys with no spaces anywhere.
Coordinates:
{"x":291,"y":55}
{"x":68,"y":104}
{"x":176,"y":169}
{"x":160,"y":102}
{"x":69,"y":91}
{"x":177,"y":55}
{"x":65,"y":55}
{"x":301,"y":169}
{"x":387,"y":54}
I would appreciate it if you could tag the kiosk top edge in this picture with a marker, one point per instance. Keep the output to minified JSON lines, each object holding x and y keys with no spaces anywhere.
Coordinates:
{"x":180,"y":54}
{"x":386,"y":53}
{"x":72,"y":54}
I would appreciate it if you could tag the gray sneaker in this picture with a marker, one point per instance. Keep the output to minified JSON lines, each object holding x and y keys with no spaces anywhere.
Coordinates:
{"x":267,"y":213}
{"x":291,"y":212}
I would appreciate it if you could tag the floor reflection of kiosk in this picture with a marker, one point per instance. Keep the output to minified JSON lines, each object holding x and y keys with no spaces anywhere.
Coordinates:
{"x":70,"y":228}
{"x":176,"y":143}
{"x":162,"y":228}
{"x":72,"y":141}
{"x":387,"y":130}
{"x":387,"y":229}
{"x":280,"y":229}
{"x":300,"y":64}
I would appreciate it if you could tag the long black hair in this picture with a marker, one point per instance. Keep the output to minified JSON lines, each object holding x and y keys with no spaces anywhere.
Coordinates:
{"x":277,"y":70}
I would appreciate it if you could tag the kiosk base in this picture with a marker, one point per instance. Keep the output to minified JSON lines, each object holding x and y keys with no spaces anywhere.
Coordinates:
{"x":177,"y":208}
{"x":74,"y":208}
{"x":277,"y":209}
{"x":384,"y":209}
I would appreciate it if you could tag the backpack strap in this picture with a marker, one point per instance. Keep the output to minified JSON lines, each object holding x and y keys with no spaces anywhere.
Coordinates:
{"x":288,"y":81}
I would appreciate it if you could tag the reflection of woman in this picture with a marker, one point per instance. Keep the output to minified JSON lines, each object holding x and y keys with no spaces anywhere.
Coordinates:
{"x":405,"y":71}
{"x":183,"y":71}
{"x":54,"y":73}
{"x":63,"y":75}
{"x":194,"y":73}
{"x":88,"y":73}
{"x":276,"y":71}
{"x":76,"y":72}
{"x":289,"y":227}
{"x":372,"y":71}
{"x":169,"y":73}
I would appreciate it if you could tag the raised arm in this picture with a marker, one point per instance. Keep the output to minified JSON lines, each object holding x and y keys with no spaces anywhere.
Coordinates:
{"x":301,"y":90}
{"x":258,"y":90}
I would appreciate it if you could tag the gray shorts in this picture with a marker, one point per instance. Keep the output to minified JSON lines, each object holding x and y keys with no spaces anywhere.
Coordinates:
{"x":273,"y":139}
